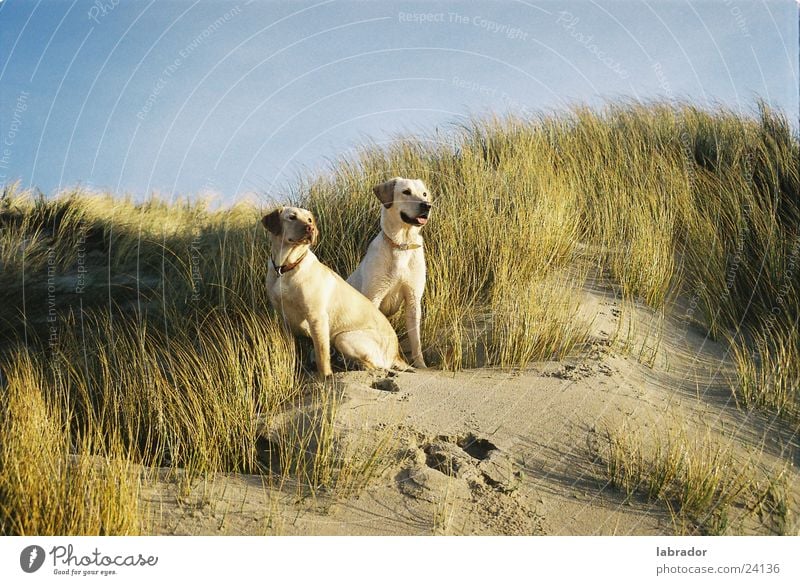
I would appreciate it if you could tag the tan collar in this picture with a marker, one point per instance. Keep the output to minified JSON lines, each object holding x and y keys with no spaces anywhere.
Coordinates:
{"x":397,"y":246}
{"x":281,"y":270}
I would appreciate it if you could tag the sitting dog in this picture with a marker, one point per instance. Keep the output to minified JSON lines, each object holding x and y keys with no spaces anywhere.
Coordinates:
{"x":393,"y":270}
{"x":317,"y":303}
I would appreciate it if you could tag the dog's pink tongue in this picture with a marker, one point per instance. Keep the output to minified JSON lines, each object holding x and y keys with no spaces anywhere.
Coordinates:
{"x":422,"y":220}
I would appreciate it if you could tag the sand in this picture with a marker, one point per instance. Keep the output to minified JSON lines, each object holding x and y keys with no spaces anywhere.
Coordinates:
{"x":486,"y":451}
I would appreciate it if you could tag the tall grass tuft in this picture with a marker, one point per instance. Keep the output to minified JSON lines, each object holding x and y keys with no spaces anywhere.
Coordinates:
{"x":50,"y":485}
{"x":768,"y":369}
{"x":698,"y":481}
{"x":186,"y":396}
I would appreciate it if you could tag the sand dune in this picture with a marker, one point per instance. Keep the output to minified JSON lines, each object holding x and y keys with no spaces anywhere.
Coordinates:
{"x":496,"y":452}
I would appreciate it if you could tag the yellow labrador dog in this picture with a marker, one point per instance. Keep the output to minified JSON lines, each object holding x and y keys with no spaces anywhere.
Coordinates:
{"x":393,"y":270}
{"x":317,"y":303}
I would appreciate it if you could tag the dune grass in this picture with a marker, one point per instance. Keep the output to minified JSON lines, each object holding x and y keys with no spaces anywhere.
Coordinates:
{"x":699,"y":482}
{"x":703,"y":486}
{"x":768,"y":369}
{"x":143,"y":327}
{"x":51,"y":484}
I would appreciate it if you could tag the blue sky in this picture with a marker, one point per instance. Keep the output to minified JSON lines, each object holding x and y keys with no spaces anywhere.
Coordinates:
{"x":184,"y":96}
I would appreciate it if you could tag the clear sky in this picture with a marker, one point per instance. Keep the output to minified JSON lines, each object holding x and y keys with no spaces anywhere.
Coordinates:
{"x":184,"y":96}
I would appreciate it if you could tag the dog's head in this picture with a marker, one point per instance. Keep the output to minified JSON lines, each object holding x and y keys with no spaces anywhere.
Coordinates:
{"x":292,"y":226}
{"x":405,"y":201}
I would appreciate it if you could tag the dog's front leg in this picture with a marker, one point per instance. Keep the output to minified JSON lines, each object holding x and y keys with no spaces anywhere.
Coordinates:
{"x":413,"y":302}
{"x":321,"y":337}
{"x":376,"y":293}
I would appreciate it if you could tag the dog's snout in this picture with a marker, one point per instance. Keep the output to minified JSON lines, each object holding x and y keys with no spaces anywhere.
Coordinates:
{"x":425,"y":206}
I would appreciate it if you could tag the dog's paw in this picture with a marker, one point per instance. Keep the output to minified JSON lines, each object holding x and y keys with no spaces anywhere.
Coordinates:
{"x":325,"y":377}
{"x":404,"y":370}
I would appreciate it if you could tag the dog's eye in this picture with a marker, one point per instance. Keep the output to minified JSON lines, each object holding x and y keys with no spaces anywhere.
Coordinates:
{"x":407,"y":192}
{"x":293,"y":217}
{"x":425,"y":195}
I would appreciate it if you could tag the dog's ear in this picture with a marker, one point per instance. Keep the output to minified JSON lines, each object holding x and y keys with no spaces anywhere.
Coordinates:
{"x":315,"y":237}
{"x":385,"y":192}
{"x":272,"y":221}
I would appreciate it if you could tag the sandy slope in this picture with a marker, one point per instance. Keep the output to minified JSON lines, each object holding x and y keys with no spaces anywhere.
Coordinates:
{"x":492,"y":452}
